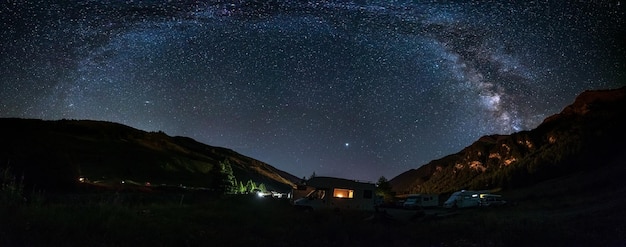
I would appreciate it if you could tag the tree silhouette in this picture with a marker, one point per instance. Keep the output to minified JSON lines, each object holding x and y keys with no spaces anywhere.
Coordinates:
{"x":262,"y":187}
{"x":229,"y":180}
{"x":383,"y":188}
{"x":222,"y":179}
{"x":242,"y":188}
{"x":250,"y":186}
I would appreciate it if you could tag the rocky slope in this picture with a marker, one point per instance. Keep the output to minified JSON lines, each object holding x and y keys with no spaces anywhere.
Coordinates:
{"x":587,"y":134}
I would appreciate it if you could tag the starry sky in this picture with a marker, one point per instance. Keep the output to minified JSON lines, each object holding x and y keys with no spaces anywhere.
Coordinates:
{"x":353,"y":89}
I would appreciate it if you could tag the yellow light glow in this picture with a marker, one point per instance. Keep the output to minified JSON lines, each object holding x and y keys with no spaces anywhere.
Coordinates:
{"x":343,"y":193}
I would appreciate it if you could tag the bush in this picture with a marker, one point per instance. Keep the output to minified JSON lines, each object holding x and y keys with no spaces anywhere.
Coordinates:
{"x":11,"y":189}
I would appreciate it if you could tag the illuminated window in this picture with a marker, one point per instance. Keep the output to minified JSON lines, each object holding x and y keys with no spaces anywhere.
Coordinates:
{"x":343,"y":193}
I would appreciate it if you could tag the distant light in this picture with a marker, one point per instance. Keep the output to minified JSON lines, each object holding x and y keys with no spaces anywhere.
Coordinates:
{"x":259,"y":194}
{"x":347,"y":144}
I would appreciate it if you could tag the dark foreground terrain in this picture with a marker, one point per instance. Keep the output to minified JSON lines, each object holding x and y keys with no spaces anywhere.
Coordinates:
{"x":569,"y":211}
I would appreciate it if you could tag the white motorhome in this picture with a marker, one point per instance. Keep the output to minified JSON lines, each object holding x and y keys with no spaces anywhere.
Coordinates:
{"x":463,"y":199}
{"x":336,"y":193}
{"x":491,"y":200}
{"x":414,"y":201}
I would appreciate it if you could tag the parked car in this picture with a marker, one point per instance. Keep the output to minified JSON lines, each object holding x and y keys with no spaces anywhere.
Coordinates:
{"x":416,"y":201}
{"x":279,"y":194}
{"x":491,"y":201}
{"x":261,"y":193}
{"x":463,"y":199}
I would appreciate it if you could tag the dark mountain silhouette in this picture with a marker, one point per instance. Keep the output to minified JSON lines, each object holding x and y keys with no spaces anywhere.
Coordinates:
{"x":587,"y":135}
{"x":54,"y":154}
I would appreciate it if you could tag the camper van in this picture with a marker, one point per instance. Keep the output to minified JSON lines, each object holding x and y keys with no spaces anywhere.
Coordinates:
{"x":463,"y":199}
{"x":336,"y":193}
{"x":414,"y":201}
{"x":491,"y":200}
{"x":468,"y":198}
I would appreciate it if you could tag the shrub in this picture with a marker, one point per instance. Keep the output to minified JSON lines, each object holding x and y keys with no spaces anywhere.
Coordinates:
{"x":11,"y":188}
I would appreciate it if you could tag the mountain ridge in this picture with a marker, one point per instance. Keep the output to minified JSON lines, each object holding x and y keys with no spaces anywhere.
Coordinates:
{"x":589,"y":128}
{"x":584,"y":135}
{"x":57,"y":152}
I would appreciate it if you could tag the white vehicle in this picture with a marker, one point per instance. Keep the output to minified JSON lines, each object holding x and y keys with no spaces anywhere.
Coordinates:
{"x":491,"y":200}
{"x":336,"y":193}
{"x":463,"y":199}
{"x":263,"y":193}
{"x":276,"y":194}
{"x":415,"y":201}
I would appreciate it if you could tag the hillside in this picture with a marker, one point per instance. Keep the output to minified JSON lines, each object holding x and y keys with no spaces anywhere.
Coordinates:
{"x":54,"y":154}
{"x":587,"y":135}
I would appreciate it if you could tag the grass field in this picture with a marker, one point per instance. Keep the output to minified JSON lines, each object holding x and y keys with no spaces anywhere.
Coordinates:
{"x":133,"y":220}
{"x":582,"y":209}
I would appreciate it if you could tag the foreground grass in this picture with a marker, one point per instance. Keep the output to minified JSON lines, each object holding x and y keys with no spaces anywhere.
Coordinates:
{"x":250,"y":221}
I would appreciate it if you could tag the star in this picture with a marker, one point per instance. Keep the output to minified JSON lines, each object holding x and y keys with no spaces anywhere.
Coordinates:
{"x":411,"y":81}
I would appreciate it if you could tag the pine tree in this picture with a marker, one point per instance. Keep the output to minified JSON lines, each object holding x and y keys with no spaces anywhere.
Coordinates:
{"x":262,"y":188}
{"x":217,"y":178}
{"x":383,"y":188}
{"x":223,"y":180}
{"x":242,"y":188}
{"x":230,"y":182}
{"x":250,"y":186}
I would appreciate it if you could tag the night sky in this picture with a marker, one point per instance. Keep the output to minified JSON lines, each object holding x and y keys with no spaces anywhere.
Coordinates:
{"x":357,"y":89}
